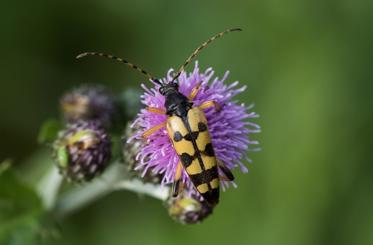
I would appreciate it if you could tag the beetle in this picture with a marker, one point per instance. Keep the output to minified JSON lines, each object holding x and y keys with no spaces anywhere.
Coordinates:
{"x":187,"y":129}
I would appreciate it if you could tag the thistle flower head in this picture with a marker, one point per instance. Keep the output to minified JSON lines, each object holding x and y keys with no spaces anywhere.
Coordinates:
{"x":89,"y":102}
{"x":130,"y":151}
{"x":82,"y":151}
{"x":229,"y":128}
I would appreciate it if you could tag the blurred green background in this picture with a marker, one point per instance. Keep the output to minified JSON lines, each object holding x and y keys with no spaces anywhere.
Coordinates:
{"x":308,"y":67}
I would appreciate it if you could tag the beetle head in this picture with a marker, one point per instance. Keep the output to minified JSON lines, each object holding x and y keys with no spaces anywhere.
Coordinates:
{"x":169,"y":88}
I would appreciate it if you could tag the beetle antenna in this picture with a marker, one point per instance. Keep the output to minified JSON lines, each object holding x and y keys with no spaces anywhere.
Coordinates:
{"x":85,"y":54}
{"x":202,"y":46}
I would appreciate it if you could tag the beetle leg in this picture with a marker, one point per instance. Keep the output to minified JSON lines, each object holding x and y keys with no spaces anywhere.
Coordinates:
{"x":223,"y":178}
{"x":227,"y":172}
{"x":210,"y":103}
{"x":152,"y":130}
{"x":155,"y":110}
{"x":176,"y":186}
{"x":195,"y":90}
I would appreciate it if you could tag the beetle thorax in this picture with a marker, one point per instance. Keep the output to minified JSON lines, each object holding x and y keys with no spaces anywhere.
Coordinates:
{"x":176,"y":103}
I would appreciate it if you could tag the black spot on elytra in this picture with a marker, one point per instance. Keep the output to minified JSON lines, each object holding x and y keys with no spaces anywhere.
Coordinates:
{"x":211,"y":196}
{"x":202,"y":127}
{"x":177,"y":136}
{"x":209,"y":150}
{"x":204,"y":177}
{"x":186,"y":159}
{"x":191,"y":136}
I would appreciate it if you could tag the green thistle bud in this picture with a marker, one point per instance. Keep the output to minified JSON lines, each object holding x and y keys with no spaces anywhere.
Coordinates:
{"x":82,"y":151}
{"x":89,"y":103}
{"x":130,"y":151}
{"x":188,"y":209}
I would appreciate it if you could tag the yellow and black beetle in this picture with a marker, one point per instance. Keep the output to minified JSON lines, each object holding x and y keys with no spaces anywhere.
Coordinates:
{"x":188,"y":130}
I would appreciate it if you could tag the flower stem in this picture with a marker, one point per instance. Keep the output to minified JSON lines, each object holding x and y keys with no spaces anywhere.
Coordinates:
{"x":113,"y":179}
{"x":138,"y":186}
{"x":48,"y":187}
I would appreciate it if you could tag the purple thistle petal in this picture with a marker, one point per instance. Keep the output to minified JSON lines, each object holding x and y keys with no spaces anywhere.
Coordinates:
{"x":229,"y":128}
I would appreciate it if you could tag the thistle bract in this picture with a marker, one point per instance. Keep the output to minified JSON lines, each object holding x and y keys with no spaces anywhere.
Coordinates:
{"x":230,"y":128}
{"x":82,"y":151}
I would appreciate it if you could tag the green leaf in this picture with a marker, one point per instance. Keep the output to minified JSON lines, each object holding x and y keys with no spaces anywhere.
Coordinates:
{"x":20,"y":210}
{"x":49,"y":131}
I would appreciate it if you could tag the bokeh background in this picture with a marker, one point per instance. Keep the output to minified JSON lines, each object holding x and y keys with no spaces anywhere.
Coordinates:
{"x":308,"y":68}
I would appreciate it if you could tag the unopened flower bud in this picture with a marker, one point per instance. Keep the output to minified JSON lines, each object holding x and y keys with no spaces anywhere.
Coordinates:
{"x":89,"y":103}
{"x":82,"y":151}
{"x":188,"y":209}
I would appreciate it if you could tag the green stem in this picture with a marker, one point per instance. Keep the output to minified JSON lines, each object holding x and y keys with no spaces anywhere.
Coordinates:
{"x":48,"y":187}
{"x":138,"y":186}
{"x":112,"y":180}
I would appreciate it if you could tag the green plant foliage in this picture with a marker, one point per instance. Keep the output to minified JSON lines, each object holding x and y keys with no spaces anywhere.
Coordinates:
{"x":20,"y":209}
{"x":49,"y":130}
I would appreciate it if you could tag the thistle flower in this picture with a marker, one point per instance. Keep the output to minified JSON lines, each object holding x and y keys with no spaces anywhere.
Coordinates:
{"x":89,"y":102}
{"x":187,"y":208}
{"x":229,"y":128}
{"x":82,"y":151}
{"x":130,"y":151}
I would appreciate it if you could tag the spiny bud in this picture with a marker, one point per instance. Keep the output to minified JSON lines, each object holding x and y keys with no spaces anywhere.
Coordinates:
{"x":130,"y":151}
{"x":187,"y":208}
{"x":82,"y":151}
{"x":89,"y":103}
